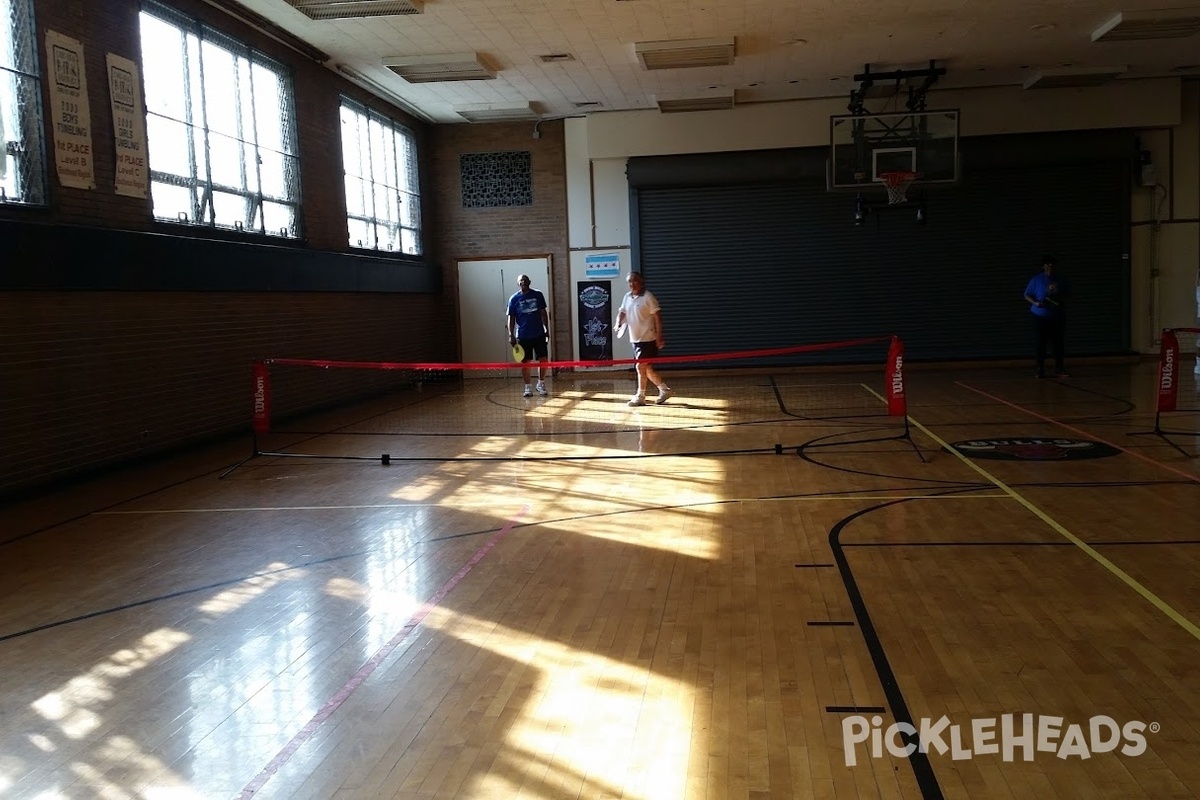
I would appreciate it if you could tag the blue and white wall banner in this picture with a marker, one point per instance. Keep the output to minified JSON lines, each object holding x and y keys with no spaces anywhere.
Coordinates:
{"x":70,"y":114}
{"x":602,"y":265}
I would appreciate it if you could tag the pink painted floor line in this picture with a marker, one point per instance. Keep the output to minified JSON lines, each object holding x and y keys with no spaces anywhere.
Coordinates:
{"x":1087,"y":434}
{"x":333,"y":703}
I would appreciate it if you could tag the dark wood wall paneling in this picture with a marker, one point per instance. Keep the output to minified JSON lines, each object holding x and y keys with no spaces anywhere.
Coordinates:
{"x":122,"y":337}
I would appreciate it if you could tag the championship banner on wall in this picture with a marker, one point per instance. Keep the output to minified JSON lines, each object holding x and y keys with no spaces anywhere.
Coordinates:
{"x":595,"y":320}
{"x":70,"y":117}
{"x":129,"y":127}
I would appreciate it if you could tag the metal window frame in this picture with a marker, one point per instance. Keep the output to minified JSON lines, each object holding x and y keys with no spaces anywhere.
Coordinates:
{"x":405,"y":183}
{"x":202,"y":187}
{"x":23,"y":66}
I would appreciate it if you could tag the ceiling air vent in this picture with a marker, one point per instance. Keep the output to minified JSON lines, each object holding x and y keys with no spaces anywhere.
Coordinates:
{"x":355,"y":9}
{"x":436,"y":69}
{"x":681,"y":53}
{"x":1168,"y":23}
{"x":703,"y":102}
{"x":497,"y":112}
{"x":1073,"y":77}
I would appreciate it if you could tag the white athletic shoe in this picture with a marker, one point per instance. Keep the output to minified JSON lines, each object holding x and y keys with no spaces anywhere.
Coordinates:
{"x":637,"y":400}
{"x":528,"y":391}
{"x":541,"y":388}
{"x":664,"y":394}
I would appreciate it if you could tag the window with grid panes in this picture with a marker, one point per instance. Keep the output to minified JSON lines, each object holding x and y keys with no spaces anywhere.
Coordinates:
{"x":383,"y":195}
{"x":22,"y":149}
{"x":220,"y":129}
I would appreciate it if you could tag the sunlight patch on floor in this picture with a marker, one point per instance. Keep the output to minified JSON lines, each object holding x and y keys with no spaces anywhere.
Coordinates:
{"x":590,"y":718}
{"x":249,"y":589}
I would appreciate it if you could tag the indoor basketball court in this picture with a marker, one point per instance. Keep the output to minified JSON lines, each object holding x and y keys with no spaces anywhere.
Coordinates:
{"x":291,"y":519}
{"x":741,"y":592}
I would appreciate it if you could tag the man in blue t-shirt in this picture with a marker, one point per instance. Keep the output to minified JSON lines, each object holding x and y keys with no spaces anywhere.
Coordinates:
{"x":528,"y":323}
{"x":1046,"y":294}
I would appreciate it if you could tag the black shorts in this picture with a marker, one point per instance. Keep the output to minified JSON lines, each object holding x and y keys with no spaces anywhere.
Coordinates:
{"x":535,"y":348}
{"x":645,"y":350}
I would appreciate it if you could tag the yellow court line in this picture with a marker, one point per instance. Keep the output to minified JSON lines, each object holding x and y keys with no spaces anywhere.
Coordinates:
{"x":1128,"y":579}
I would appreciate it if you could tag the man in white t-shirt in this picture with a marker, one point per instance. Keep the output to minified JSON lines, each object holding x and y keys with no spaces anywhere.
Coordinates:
{"x":640,"y":313}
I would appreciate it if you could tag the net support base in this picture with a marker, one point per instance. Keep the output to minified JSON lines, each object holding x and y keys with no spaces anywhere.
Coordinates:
{"x":1166,"y":437}
{"x":254,"y":453}
{"x":384,"y":459}
{"x":903,"y":436}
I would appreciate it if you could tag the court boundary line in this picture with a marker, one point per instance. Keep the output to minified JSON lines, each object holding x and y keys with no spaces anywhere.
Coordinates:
{"x":1079,"y":431}
{"x":1116,"y":571}
{"x":487,"y":504}
{"x":343,"y":694}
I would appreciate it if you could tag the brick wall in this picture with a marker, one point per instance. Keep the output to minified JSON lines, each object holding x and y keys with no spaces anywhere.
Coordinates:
{"x":94,"y":378}
{"x":519,"y":231}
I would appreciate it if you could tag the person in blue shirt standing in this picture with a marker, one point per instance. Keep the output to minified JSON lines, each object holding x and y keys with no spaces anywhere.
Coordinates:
{"x":529,"y":323}
{"x":1047,"y":295}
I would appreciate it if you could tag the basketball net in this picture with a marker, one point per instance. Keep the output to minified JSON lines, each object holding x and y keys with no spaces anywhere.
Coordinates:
{"x":897,"y":184}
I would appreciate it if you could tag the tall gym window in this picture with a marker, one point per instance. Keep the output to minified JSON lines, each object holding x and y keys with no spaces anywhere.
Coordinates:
{"x":220,"y":129}
{"x":22,"y":152}
{"x":383,"y":194}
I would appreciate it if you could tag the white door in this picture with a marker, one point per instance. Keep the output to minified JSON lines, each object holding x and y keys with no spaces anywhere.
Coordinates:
{"x":484,"y":287}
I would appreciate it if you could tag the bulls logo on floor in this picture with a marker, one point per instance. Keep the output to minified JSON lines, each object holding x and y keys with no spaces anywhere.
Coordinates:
{"x":1035,"y":448}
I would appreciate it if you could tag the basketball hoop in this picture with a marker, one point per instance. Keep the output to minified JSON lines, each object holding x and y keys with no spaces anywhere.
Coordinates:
{"x":897,"y":184}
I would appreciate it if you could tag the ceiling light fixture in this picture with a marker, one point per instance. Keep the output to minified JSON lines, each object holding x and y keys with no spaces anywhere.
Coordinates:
{"x":382,"y":92}
{"x":683,"y":53}
{"x":497,"y":112}
{"x":440,"y":68}
{"x":720,"y":100}
{"x":355,"y":9}
{"x":1169,"y":23}
{"x":1073,"y":77}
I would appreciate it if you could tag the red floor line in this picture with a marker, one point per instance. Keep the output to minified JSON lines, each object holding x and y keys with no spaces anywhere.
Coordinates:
{"x":333,"y":703}
{"x":1087,"y":434}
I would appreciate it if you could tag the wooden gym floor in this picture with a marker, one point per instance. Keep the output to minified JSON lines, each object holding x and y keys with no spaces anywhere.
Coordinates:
{"x":649,"y":604}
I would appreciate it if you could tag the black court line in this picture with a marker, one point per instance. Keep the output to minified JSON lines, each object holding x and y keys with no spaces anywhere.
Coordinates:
{"x":172,"y":595}
{"x":110,"y":506}
{"x":856,"y":709}
{"x":848,"y":494}
{"x":922,"y":769}
{"x":522,"y":433}
{"x":803,"y":452}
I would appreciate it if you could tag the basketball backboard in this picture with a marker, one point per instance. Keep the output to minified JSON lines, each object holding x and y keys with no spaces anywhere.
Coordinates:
{"x":861,"y":146}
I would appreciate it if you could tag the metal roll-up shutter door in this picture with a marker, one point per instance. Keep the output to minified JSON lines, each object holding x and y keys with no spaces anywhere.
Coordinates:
{"x":751,"y":266}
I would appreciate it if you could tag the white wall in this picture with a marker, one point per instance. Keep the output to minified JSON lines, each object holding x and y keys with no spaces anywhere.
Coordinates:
{"x":1166,"y":109}
{"x":1165,"y":241}
{"x":621,"y":347}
